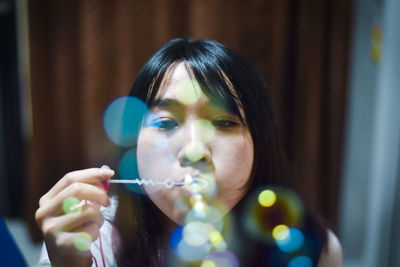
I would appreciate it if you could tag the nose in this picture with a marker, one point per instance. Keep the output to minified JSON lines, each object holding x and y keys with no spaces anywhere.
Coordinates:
{"x":195,"y":144}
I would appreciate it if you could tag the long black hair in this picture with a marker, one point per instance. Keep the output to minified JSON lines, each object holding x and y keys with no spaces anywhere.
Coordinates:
{"x":226,"y":77}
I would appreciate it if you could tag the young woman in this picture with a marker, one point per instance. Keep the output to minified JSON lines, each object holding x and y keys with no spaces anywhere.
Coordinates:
{"x":209,"y":123}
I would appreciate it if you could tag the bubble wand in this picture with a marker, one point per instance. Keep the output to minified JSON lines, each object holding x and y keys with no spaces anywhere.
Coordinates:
{"x":168,"y":183}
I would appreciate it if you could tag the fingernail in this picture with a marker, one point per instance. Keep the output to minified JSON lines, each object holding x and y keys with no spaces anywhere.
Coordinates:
{"x":106,"y":185}
{"x":105,"y":167}
{"x":106,"y":172}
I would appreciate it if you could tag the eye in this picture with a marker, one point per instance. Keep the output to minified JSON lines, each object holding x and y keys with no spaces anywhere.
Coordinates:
{"x":166,"y":124}
{"x":225,"y":123}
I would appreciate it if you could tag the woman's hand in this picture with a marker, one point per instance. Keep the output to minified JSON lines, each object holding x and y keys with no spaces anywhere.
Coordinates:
{"x":69,"y":215}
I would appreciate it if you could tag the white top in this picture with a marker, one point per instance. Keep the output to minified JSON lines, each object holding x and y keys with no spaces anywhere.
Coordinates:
{"x":106,"y":240}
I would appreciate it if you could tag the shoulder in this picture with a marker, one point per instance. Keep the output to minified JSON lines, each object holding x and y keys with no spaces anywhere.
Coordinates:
{"x":331,"y":255}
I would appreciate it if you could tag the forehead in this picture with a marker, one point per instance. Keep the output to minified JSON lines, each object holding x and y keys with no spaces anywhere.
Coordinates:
{"x":175,"y":76}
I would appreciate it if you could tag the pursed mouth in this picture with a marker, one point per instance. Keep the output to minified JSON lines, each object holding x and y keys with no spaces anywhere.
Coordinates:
{"x":191,"y":185}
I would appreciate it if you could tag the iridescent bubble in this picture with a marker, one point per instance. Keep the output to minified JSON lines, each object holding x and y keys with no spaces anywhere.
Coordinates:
{"x":292,"y":242}
{"x":82,"y":241}
{"x":196,"y":233}
{"x":260,"y":220}
{"x":301,"y":261}
{"x":122,"y":120}
{"x":128,"y":170}
{"x":194,"y":151}
{"x":267,"y":198}
{"x":188,"y":92}
{"x":223,"y":259}
{"x":71,"y":206}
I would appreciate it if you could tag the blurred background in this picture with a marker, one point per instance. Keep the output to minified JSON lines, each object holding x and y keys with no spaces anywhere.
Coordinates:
{"x":332,"y":68}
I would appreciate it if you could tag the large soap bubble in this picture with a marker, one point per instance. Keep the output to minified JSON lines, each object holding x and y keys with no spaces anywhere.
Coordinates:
{"x":122,"y":120}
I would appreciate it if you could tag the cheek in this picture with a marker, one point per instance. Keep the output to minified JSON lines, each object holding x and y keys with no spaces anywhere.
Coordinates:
{"x":153,"y":155}
{"x":233,"y":163}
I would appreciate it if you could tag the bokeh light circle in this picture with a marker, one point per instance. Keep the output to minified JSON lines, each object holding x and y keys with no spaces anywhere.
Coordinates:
{"x":71,"y":206}
{"x":122,"y":120}
{"x":223,"y":259}
{"x":259,"y":220}
{"x":196,"y":233}
{"x":204,"y":129}
{"x":128,"y":170}
{"x":194,"y":151}
{"x":82,"y":241}
{"x":188,"y":92}
{"x":280,"y":232}
{"x":267,"y":198}
{"x":293,"y":241}
{"x":217,"y":241}
{"x":208,"y":264}
{"x":211,"y":215}
{"x":301,"y":261}
{"x":187,"y":252}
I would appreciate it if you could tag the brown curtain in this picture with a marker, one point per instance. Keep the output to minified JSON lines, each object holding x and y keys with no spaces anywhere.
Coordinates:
{"x":86,"y":53}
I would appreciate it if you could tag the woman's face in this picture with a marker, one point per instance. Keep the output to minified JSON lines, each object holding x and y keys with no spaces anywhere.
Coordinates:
{"x":188,"y":134}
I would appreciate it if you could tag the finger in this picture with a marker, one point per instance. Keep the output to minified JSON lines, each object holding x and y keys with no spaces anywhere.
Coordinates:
{"x":53,"y":207}
{"x":90,"y":214}
{"x":76,"y":241}
{"x":68,"y":222}
{"x":93,"y":176}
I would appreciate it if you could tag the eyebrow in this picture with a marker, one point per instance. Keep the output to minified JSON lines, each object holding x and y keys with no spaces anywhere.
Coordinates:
{"x":171,"y":103}
{"x":167,"y":102}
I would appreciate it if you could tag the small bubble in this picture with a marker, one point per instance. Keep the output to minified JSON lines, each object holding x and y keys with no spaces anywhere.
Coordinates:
{"x":71,"y":206}
{"x":82,"y":241}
